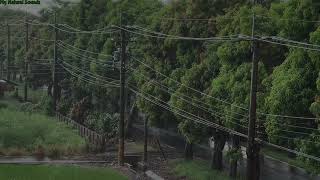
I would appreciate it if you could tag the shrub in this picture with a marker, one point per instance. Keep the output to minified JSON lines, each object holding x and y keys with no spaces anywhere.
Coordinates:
{"x":35,"y":133}
{"x":48,"y":104}
{"x":64,"y":106}
{"x":54,"y":152}
{"x":103,"y":123}
{"x":26,"y":107}
{"x":15,"y":152}
{"x":39,"y":152}
{"x":3,"y":105}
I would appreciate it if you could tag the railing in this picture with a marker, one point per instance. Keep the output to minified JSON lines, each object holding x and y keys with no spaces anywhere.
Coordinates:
{"x":92,"y":137}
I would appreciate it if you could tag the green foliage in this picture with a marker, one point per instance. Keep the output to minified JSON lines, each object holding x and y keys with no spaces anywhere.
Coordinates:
{"x":3,"y":105}
{"x":26,"y":107}
{"x":48,"y":105}
{"x":292,"y":92}
{"x":103,"y":123}
{"x":310,"y":145}
{"x":234,"y":155}
{"x":288,"y":83}
{"x":64,"y":106}
{"x":29,"y":131}
{"x":197,"y":170}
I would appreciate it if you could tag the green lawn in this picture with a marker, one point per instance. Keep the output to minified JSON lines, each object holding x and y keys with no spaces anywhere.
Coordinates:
{"x":23,"y":133}
{"x":16,"y":172}
{"x":196,"y":170}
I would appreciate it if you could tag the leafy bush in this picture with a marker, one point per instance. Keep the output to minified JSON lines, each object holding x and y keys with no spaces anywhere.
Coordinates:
{"x":103,"y":123}
{"x":64,"y":106}
{"x":3,"y":105}
{"x":26,"y":107}
{"x":46,"y":105}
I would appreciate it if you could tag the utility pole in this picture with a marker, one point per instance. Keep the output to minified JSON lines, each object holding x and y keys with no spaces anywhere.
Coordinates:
{"x":1,"y":64}
{"x":1,"y":69}
{"x":8,"y":51}
{"x":252,"y":150}
{"x":122,"y":94}
{"x":54,"y":67}
{"x":145,"y":149}
{"x":26,"y":63}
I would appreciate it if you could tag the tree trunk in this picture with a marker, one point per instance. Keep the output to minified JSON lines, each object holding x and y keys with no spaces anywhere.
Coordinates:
{"x":188,"y":151}
{"x":217,"y":153}
{"x":234,"y":162}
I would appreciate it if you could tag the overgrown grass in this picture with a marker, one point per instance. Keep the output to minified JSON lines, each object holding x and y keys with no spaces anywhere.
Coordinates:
{"x":10,"y":172}
{"x":30,"y":133}
{"x":197,"y":169}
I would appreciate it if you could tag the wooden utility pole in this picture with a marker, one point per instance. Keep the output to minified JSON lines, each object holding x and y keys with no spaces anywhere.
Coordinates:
{"x":8,"y":51}
{"x":252,"y":150}
{"x":145,"y":152}
{"x":1,"y":69}
{"x":122,"y":94}
{"x":26,"y":63}
{"x":54,"y":66}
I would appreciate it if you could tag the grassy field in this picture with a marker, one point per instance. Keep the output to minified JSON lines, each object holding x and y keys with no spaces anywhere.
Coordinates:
{"x":25,"y":133}
{"x":15,"y":172}
{"x":197,"y":169}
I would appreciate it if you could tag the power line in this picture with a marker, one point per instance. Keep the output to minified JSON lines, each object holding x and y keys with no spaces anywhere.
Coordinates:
{"x":201,"y":93}
{"x":83,"y":50}
{"x":89,"y":59}
{"x":286,"y":44}
{"x":197,"y":119}
{"x":231,"y":37}
{"x":105,"y":30}
{"x":287,"y":19}
{"x":93,"y":75}
{"x":170,"y":90}
{"x":88,"y":80}
{"x":223,"y":101}
{"x":167,"y":36}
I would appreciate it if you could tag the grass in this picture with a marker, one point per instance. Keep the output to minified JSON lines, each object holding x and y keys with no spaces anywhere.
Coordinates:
{"x":16,"y":172}
{"x":197,"y":169}
{"x":30,"y":133}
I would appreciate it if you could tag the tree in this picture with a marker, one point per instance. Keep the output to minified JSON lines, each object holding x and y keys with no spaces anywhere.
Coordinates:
{"x":188,"y":100}
{"x":292,"y":91}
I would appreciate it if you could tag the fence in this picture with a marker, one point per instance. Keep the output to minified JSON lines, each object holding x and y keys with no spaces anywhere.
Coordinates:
{"x":92,"y":137}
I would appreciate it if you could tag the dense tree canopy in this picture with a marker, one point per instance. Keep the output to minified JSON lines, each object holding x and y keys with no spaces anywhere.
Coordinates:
{"x":193,"y":76}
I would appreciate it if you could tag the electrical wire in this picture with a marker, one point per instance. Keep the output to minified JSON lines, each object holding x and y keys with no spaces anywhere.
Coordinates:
{"x":93,"y":75}
{"x":82,"y":50}
{"x":170,"y":91}
{"x":201,"y":93}
{"x":88,"y":80}
{"x":208,"y":123}
{"x":91,"y":59}
{"x":231,"y":37}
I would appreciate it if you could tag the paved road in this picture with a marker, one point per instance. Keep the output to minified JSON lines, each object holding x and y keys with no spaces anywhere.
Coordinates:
{"x":271,"y":169}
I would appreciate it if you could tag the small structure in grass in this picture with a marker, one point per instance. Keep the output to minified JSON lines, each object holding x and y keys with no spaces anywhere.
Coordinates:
{"x":6,"y":86}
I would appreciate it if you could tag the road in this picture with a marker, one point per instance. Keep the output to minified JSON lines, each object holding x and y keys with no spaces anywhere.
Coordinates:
{"x":271,"y":169}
